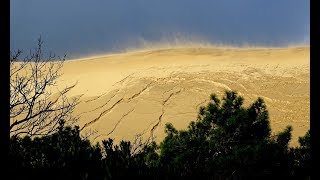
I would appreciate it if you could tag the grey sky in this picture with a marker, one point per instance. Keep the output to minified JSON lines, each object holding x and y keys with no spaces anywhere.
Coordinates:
{"x":82,"y":27}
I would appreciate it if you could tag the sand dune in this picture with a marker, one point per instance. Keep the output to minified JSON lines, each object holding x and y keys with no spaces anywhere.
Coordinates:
{"x":138,"y":92}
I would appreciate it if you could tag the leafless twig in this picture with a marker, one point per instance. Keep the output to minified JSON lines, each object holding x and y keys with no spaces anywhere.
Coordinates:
{"x":34,"y":109}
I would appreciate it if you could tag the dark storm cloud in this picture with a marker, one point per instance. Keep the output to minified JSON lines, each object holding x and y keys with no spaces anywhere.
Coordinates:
{"x":80,"y":27}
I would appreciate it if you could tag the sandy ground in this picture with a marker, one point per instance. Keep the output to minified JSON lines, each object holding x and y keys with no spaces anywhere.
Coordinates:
{"x":138,"y":92}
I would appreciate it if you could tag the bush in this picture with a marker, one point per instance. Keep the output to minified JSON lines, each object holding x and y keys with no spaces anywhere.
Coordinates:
{"x":228,"y":140}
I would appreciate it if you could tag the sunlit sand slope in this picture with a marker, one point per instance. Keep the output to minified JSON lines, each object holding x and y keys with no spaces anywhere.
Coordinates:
{"x":138,"y":92}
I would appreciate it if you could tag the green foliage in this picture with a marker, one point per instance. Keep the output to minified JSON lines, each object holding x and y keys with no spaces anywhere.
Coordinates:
{"x":64,"y":150}
{"x":305,"y":141}
{"x":227,"y":141}
{"x":65,"y":155}
{"x":302,"y":157}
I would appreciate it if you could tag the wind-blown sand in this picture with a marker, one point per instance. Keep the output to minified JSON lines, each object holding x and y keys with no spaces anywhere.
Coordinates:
{"x":138,"y":92}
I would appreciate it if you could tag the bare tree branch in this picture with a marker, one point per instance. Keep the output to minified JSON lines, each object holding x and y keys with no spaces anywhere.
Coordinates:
{"x":34,"y":109}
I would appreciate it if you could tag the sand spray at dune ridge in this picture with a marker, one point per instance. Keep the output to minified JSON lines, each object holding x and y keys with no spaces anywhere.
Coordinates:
{"x":180,"y":40}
